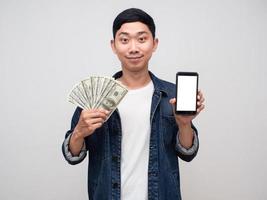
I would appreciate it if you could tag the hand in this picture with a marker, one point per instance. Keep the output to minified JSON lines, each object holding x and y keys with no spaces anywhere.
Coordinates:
{"x":89,"y":121}
{"x":186,"y":119}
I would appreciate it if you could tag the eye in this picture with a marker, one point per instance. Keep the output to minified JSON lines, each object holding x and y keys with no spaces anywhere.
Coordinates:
{"x":124,"y":40}
{"x":142,"y":39}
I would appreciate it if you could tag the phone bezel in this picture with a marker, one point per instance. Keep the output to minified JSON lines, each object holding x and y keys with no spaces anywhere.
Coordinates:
{"x":185,"y":112}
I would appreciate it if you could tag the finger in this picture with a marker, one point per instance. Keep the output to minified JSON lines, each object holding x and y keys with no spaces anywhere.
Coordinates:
{"x":93,"y":121}
{"x":103,"y":111}
{"x":97,"y":125}
{"x":85,"y":114}
{"x":199,"y":94}
{"x":90,"y":111}
{"x":95,"y":114}
{"x":93,"y":127}
{"x":106,"y":112}
{"x":201,"y":101}
{"x":172,"y":101}
{"x":200,"y":108}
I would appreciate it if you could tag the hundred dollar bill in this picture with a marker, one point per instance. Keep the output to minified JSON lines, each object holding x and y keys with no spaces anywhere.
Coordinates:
{"x":98,"y":92}
{"x":82,"y":95}
{"x":98,"y":87}
{"x":87,"y":87}
{"x":111,"y":100}
{"x":104,"y":81}
{"x":107,"y":83}
{"x":75,"y":102}
{"x":76,"y":96}
{"x":105,"y":92}
{"x":94,"y":89}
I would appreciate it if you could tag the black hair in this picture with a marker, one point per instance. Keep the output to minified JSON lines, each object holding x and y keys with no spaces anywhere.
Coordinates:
{"x":133,"y":15}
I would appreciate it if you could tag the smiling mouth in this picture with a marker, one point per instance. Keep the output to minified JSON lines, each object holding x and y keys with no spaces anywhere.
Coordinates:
{"x":134,"y":58}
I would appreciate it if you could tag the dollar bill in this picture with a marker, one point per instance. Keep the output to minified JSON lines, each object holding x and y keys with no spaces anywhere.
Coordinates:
{"x":105,"y":92}
{"x":76,"y":101}
{"x":86,"y":83}
{"x":98,"y":92}
{"x":76,"y":95}
{"x":82,"y":95}
{"x":113,"y":97}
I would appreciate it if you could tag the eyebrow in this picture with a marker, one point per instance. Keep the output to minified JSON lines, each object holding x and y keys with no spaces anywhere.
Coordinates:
{"x":138,"y":33}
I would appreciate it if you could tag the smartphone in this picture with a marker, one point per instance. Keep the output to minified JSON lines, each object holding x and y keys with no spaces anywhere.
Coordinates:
{"x":186,"y":93}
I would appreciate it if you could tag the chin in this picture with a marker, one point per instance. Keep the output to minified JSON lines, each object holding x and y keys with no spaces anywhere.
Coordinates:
{"x":136,"y":68}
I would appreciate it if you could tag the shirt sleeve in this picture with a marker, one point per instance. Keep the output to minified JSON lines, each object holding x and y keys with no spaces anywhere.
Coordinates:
{"x":192,"y":150}
{"x":68,"y":155}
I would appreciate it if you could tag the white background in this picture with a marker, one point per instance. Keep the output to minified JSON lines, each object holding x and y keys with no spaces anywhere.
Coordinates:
{"x":48,"y":46}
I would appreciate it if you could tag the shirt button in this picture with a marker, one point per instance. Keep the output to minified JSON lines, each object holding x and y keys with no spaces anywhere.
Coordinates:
{"x":114,"y":158}
{"x":115,"y":185}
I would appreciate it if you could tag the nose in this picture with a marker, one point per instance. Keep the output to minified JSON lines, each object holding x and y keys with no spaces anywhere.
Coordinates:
{"x":133,"y":48}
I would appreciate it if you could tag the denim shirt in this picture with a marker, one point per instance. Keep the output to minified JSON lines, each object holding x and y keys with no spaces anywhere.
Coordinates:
{"x":104,"y":147}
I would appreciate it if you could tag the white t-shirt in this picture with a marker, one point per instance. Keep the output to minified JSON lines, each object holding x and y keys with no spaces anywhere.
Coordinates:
{"x":134,"y":111}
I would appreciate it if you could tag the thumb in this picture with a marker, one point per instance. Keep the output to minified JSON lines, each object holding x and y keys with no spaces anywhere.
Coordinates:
{"x":172,"y":101}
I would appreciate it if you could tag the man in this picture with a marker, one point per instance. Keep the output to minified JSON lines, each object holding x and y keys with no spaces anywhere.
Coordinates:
{"x":134,"y":154}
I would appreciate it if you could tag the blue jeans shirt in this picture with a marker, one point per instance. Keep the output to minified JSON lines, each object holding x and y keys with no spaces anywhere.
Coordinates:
{"x":105,"y":150}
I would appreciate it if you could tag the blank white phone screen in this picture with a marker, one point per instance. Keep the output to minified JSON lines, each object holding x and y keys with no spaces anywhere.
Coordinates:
{"x":186,"y":93}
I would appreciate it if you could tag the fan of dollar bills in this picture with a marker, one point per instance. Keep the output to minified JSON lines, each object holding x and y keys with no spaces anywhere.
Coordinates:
{"x":98,"y":92}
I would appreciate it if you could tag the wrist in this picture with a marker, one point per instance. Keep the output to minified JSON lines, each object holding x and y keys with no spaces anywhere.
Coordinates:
{"x":184,"y":125}
{"x":77,"y":134}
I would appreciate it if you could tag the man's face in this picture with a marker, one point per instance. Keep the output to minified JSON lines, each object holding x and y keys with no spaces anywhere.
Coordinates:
{"x":134,"y":45}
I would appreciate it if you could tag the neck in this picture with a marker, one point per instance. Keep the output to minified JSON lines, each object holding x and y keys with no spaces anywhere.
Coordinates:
{"x":135,"y":80}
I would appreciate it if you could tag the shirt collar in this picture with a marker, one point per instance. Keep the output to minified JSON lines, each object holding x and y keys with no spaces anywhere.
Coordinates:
{"x":158,"y":83}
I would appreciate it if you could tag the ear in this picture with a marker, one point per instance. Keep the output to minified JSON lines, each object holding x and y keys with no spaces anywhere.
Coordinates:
{"x":112,"y":44}
{"x":156,"y":42}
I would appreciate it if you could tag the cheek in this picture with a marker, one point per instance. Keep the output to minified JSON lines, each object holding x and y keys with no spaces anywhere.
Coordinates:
{"x":148,"y":49}
{"x":148,"y":53}
{"x":121,"y":49}
{"x":121,"y":54}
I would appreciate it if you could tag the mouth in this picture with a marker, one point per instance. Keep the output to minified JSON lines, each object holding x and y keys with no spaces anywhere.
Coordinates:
{"x":134,"y":58}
